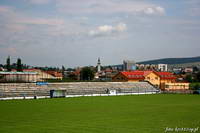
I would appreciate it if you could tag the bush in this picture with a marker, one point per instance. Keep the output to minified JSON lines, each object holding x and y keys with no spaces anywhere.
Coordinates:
{"x":195,"y":86}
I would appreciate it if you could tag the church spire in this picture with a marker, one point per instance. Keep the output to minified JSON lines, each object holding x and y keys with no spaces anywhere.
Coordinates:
{"x":99,"y":62}
{"x":99,"y":65}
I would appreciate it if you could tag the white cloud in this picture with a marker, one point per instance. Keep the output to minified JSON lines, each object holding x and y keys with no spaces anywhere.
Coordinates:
{"x":8,"y":17}
{"x":195,"y":11}
{"x":108,"y":7}
{"x":108,"y":29}
{"x":149,"y":11}
{"x":18,"y":23}
{"x":154,"y":10}
{"x":39,"y":2}
{"x":11,"y":50}
{"x":15,"y":21}
{"x":160,"y":9}
{"x":16,"y":17}
{"x":193,"y":7}
{"x":7,"y":11}
{"x":4,"y":9}
{"x":193,"y":2}
{"x":41,"y":21}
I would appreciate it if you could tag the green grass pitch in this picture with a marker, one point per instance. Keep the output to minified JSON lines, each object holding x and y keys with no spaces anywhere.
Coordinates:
{"x":111,"y":114}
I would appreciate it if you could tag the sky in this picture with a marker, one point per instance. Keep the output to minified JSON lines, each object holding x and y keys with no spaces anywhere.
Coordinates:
{"x":76,"y":32}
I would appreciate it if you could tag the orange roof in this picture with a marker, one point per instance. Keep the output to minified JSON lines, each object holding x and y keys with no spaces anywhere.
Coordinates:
{"x":54,"y":73}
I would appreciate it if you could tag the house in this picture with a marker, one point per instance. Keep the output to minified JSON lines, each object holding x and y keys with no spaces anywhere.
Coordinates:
{"x":188,"y":70}
{"x":129,"y":76}
{"x":41,"y":75}
{"x":57,"y":75}
{"x":158,"y":79}
{"x":137,"y":76}
{"x":164,"y":78}
{"x":1,"y":69}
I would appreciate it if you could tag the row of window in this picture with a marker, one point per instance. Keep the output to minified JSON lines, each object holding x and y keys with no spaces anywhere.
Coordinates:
{"x":167,"y":76}
{"x":150,"y":78}
{"x":174,"y":86}
{"x":135,"y":76}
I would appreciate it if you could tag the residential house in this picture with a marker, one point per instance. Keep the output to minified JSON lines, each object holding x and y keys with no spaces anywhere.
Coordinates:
{"x":41,"y":75}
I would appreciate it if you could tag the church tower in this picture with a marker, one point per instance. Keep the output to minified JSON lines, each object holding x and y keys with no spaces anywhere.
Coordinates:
{"x":99,"y":65}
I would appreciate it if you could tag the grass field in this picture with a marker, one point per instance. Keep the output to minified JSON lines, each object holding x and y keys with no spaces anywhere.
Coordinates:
{"x":113,"y":114}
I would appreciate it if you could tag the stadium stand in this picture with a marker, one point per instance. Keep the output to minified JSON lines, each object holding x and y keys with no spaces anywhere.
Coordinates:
{"x":74,"y":88}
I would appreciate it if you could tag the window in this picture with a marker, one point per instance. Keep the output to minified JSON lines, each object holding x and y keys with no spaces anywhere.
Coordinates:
{"x":166,"y":86}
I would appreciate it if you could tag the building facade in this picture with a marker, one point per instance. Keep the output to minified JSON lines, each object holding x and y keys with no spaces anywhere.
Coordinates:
{"x":162,"y":67}
{"x":129,"y":65}
{"x":155,"y":67}
{"x":158,"y":79}
{"x":18,"y":76}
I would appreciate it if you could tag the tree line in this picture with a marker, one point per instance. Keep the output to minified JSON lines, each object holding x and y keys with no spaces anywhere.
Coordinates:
{"x":18,"y":65}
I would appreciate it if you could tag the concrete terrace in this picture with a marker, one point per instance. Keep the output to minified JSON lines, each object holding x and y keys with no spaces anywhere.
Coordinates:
{"x":74,"y":88}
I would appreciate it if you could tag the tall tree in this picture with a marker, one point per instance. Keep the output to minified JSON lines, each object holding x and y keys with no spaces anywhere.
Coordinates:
{"x":195,"y":69}
{"x":198,"y":76}
{"x":87,"y":74}
{"x":19,"y":65}
{"x":63,"y":71}
{"x":189,"y":78}
{"x":8,"y":66}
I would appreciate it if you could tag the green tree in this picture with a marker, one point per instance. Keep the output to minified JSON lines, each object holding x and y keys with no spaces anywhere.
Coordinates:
{"x":19,"y":65}
{"x":198,"y":76}
{"x":195,"y":69}
{"x":189,"y":78}
{"x":195,"y":86}
{"x":87,"y":74}
{"x":63,"y":71}
{"x":8,"y":66}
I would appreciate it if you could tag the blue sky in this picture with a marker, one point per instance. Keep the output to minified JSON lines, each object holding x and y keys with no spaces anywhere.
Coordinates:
{"x":77,"y":32}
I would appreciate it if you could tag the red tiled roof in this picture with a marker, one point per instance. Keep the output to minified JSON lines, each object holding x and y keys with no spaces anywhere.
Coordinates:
{"x":133,"y":74}
{"x":142,"y":74}
{"x":77,"y":72}
{"x":165,"y":75}
{"x":147,"y":72}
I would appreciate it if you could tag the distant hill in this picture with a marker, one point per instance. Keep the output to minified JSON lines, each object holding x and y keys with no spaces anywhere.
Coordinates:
{"x":172,"y":61}
{"x":194,"y":64}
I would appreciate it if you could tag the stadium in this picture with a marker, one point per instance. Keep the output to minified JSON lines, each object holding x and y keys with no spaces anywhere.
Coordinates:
{"x":95,"y":107}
